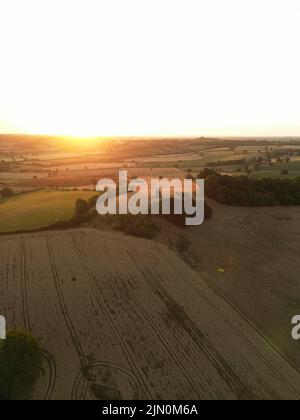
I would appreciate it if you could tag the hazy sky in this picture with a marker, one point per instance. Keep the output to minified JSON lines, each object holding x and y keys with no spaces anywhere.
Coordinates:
{"x":150,"y":67}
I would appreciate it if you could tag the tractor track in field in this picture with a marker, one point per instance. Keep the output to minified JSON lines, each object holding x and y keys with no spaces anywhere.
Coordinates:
{"x":243,"y":336}
{"x":66,"y":315}
{"x":155,"y":328}
{"x":175,"y":336}
{"x":27,"y":325}
{"x":201,"y":344}
{"x":52,"y":375}
{"x":6,"y":289}
{"x":80,"y":377}
{"x":26,"y":318}
{"x":103,"y":307}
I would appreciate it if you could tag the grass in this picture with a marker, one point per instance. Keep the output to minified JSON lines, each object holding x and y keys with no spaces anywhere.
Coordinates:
{"x":6,"y":176}
{"x":38,"y":209}
{"x":275,"y":171}
{"x":200,"y":162}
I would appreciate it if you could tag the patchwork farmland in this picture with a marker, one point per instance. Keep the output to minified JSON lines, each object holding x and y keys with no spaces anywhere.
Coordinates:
{"x":121,"y":317}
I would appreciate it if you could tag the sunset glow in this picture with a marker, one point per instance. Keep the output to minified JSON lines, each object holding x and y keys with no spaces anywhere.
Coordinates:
{"x":159,"y":67}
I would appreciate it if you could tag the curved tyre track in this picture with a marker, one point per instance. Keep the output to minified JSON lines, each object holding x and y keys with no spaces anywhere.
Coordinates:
{"x":155,"y":328}
{"x":52,"y":375}
{"x":82,"y":395}
{"x":24,"y":289}
{"x":104,"y":308}
{"x":238,"y":332}
{"x":27,"y":325}
{"x":244,"y":337}
{"x":156,"y":320}
{"x":66,"y":316}
{"x":199,"y":342}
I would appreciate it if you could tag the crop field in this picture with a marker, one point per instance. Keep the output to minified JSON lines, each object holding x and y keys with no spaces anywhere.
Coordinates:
{"x":38,"y":209}
{"x":41,"y":162}
{"x":125,"y":318}
{"x":80,"y":166}
{"x":196,"y":160}
{"x":264,"y":174}
{"x":273,"y":172}
{"x":13,"y":176}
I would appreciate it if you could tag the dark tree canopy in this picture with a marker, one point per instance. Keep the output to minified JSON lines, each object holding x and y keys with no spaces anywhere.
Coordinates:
{"x":82,"y":206}
{"x":244,"y":191}
{"x":6,"y":192}
{"x":21,"y":360}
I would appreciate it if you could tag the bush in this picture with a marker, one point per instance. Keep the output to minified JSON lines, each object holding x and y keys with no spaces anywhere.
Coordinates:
{"x":21,"y":360}
{"x":227,"y":162}
{"x":242,"y":191}
{"x":180,"y":219}
{"x":189,"y":176}
{"x":206,"y":173}
{"x":93,"y":201}
{"x":141,"y":226}
{"x":81,"y":206}
{"x":6,"y":192}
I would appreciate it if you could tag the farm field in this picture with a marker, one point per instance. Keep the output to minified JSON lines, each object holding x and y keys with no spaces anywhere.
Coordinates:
{"x":125,"y":318}
{"x":38,"y":162}
{"x":258,"y":249}
{"x":38,"y":209}
{"x":292,"y":168}
{"x":114,"y":172}
{"x":13,"y":176}
{"x":80,"y":166}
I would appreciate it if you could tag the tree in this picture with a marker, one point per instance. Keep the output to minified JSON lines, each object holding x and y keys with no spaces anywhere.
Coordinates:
{"x":142,"y":226}
{"x":206,"y":172}
{"x":6,"y":192}
{"x":93,"y":201}
{"x":21,"y":365}
{"x":189,"y":176}
{"x":82,"y":206}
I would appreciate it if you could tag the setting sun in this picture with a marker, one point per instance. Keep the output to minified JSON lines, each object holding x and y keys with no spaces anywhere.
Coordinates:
{"x":167,"y":67}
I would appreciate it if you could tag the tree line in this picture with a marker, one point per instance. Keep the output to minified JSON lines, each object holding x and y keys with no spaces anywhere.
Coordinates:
{"x":245,"y":191}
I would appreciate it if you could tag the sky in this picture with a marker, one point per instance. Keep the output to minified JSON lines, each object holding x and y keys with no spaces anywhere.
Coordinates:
{"x":150,"y":67}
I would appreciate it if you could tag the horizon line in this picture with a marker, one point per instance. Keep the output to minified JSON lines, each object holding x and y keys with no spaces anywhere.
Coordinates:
{"x":181,"y":136}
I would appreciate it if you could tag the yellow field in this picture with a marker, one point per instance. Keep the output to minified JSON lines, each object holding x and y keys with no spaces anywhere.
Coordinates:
{"x":38,"y":209}
{"x":125,"y":318}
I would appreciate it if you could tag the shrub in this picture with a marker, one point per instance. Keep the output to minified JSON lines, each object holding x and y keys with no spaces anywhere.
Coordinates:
{"x":93,"y":200}
{"x":243,"y":191}
{"x":206,"y":172}
{"x":189,"y":176}
{"x":81,"y":206}
{"x":21,"y":361}
{"x":6,"y":192}
{"x":180,"y":219}
{"x":141,"y":226}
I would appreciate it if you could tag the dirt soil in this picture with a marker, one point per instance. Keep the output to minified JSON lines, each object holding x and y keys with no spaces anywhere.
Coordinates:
{"x":251,"y":256}
{"x":122,"y":317}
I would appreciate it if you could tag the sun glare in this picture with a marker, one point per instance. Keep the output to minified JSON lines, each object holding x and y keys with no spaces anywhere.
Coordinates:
{"x":89,"y":68}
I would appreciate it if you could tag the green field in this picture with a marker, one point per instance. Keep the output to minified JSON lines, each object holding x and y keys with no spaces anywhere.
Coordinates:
{"x":275,"y":171}
{"x":38,"y":209}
